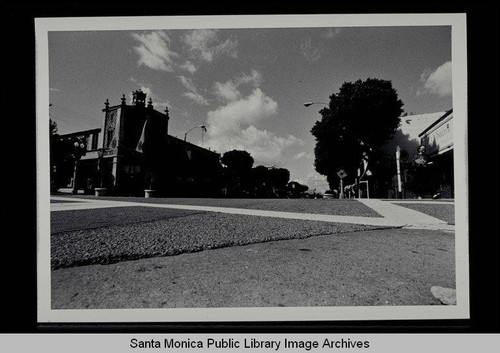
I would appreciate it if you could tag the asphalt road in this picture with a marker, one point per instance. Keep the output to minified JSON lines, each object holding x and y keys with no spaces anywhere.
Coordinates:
{"x":123,"y":257}
{"x":105,"y":236}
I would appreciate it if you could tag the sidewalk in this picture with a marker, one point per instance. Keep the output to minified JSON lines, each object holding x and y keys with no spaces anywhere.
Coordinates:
{"x":371,"y":268}
{"x":367,"y":267}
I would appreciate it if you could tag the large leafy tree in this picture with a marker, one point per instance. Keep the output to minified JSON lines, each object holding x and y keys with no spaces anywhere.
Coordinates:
{"x":238,"y":164}
{"x":269,"y":181}
{"x":238,"y":161}
{"x":295,"y":189}
{"x":363,"y":115}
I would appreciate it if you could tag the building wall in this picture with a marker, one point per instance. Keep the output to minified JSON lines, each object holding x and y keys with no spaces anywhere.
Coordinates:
{"x":137,"y":153}
{"x":438,"y":138}
{"x":140,"y":154}
{"x":432,"y":130}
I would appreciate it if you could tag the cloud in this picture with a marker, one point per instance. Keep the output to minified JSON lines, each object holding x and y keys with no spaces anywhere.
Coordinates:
{"x":310,"y":52}
{"x":193,"y":93}
{"x":189,"y":66}
{"x":264,"y":146}
{"x":230,"y":89}
{"x":154,"y":52}
{"x":244,"y":111}
{"x":332,"y":33}
{"x":197,"y":98}
{"x":232,"y":126}
{"x":188,"y":83}
{"x":303,"y":155}
{"x":314,"y":180}
{"x":439,"y":81}
{"x":206,"y":45}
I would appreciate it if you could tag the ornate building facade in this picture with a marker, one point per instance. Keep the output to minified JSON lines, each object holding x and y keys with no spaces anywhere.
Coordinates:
{"x":137,"y":153}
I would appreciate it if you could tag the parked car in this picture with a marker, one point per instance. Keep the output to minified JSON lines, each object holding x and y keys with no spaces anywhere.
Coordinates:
{"x":328,"y":195}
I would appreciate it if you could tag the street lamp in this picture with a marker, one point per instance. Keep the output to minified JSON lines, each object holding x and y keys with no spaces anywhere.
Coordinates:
{"x":308,"y":104}
{"x":203,"y":127}
{"x":79,"y":150}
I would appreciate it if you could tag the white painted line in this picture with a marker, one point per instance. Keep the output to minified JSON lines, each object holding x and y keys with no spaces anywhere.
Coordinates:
{"x":375,"y":221}
{"x":392,"y":215}
{"x":82,"y":204}
{"x":392,"y":211}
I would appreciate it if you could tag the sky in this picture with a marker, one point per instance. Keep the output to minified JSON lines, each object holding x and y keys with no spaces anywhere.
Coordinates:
{"x":246,"y":85}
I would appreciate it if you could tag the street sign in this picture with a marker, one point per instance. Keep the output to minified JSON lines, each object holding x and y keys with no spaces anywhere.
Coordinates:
{"x":341,"y":173}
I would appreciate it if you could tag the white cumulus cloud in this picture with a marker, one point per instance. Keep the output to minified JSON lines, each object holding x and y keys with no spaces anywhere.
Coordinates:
{"x":438,"y":82}
{"x":232,"y":126}
{"x":244,"y":111}
{"x":303,"y":155}
{"x":230,"y":90}
{"x":316,"y":181}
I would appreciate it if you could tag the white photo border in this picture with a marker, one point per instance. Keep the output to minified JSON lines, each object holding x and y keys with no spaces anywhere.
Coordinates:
{"x":459,"y":63}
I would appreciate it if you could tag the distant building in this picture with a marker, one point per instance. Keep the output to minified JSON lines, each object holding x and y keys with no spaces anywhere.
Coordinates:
{"x":137,"y":153}
{"x":438,"y":139}
{"x":435,"y":131}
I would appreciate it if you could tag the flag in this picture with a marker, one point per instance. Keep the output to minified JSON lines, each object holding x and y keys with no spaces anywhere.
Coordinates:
{"x":140,"y":144}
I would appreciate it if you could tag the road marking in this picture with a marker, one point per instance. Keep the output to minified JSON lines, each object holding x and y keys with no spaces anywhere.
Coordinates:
{"x":392,"y":215}
{"x":423,"y":202}
{"x":411,"y":218}
{"x":85,"y":204}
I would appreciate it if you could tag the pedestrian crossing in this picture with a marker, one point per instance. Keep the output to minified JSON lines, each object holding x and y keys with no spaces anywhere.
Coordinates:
{"x":391,"y":214}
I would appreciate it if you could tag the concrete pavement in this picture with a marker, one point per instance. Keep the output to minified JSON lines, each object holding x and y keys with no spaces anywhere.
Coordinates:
{"x":370,"y":268}
{"x":378,"y":267}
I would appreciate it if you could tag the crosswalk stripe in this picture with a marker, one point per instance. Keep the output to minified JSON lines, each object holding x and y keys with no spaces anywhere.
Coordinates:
{"x":392,"y":215}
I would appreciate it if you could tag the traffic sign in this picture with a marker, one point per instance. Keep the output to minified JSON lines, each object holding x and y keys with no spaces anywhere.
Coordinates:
{"x":341,"y":173}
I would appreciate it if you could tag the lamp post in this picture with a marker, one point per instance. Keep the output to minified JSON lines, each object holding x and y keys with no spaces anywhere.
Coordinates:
{"x":100,"y":190}
{"x":78,"y":152}
{"x":308,"y":104}
{"x":203,"y":127}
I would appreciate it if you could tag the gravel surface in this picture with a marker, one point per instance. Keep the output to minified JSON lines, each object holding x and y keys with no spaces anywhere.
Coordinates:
{"x":373,"y":268}
{"x":167,"y":233}
{"x":345,"y":207}
{"x":106,"y":217}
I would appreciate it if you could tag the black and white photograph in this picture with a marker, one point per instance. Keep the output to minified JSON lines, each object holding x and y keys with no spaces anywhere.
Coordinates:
{"x":252,"y":168}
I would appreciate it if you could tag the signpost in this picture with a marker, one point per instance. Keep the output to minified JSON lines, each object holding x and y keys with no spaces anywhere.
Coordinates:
{"x":341,"y":174}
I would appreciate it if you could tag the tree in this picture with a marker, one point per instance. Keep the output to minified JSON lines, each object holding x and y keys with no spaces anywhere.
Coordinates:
{"x":295,"y":189}
{"x":269,"y":181}
{"x":362,"y":116}
{"x":64,"y":151}
{"x":279,"y":178}
{"x":238,"y":161}
{"x":237,"y":172}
